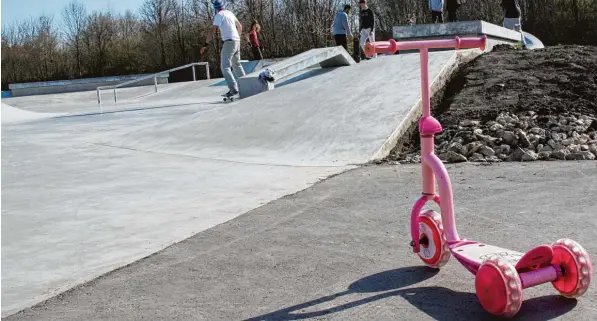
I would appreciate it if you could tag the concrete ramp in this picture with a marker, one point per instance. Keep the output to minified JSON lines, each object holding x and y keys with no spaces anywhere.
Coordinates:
{"x":348,"y":116}
{"x":532,"y":42}
{"x":250,"y":84}
{"x":15,"y":115}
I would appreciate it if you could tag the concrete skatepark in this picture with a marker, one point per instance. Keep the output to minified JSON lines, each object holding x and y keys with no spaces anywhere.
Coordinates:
{"x":105,"y":188}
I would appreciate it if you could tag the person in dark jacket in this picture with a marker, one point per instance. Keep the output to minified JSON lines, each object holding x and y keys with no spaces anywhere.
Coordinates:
{"x":254,"y":41}
{"x":452,"y":6}
{"x":367,"y":25}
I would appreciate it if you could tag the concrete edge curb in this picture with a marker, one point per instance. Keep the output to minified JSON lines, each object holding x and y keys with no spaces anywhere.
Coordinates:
{"x":459,"y":58}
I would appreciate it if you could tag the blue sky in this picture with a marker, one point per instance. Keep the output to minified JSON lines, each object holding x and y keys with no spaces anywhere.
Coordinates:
{"x":18,"y":10}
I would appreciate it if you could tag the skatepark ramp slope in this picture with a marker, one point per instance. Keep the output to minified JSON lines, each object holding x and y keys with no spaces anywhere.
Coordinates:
{"x":15,"y":115}
{"x":330,"y":120}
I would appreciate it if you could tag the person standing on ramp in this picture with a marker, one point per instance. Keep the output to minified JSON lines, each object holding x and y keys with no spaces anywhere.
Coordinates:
{"x":367,"y":25}
{"x":230,"y":29}
{"x":341,"y":28}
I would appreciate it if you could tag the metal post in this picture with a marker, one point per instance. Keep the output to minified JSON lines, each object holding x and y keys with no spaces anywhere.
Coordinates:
{"x":114,"y":94}
{"x":155,"y":83}
{"x":193,"y":68}
{"x":99,"y":98}
{"x":207,"y":70}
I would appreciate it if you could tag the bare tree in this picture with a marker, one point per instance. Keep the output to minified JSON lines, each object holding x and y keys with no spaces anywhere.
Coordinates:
{"x":97,"y":39}
{"x":74,"y":20}
{"x":167,"y":33}
{"x":157,"y":17}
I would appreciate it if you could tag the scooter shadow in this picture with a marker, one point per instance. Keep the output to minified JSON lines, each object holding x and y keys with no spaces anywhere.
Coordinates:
{"x":437,"y":302}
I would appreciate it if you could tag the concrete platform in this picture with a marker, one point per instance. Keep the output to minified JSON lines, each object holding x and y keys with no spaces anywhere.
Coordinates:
{"x":250,"y":84}
{"x":339,"y":251}
{"x":85,"y":195}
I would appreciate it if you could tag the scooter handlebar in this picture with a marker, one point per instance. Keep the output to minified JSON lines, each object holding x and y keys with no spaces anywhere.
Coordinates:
{"x":392,"y":46}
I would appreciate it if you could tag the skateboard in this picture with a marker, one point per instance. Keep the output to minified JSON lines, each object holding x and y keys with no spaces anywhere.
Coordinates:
{"x":230,"y":98}
{"x":356,"y":50}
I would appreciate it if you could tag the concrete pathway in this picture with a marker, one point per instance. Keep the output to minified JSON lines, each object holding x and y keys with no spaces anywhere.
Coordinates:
{"x":339,"y":251}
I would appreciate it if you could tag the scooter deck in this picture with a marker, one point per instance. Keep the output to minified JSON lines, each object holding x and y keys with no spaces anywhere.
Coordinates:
{"x":472,"y":254}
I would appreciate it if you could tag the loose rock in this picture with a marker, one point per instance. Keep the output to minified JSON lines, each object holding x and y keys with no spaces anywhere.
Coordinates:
{"x":580,"y":156}
{"x":454,"y":157}
{"x":476,"y":157}
{"x":544,"y":155}
{"x":529,"y":156}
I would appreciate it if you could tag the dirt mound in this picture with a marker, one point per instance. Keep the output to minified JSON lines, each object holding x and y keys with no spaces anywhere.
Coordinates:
{"x":502,"y":47}
{"x":552,"y":91}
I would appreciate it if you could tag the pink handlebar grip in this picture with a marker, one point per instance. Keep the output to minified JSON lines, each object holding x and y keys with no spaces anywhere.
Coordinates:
{"x":380,"y":47}
{"x":467,"y":43}
{"x":392,"y":46}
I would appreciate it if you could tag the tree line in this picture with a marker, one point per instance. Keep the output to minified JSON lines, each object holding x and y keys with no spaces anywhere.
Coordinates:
{"x":163,"y":34}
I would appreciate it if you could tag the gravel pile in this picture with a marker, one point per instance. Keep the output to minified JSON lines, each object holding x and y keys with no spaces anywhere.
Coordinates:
{"x":517,"y":137}
{"x":515,"y":105}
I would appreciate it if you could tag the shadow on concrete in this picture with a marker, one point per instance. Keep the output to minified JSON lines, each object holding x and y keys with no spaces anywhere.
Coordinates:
{"x":438,"y":302}
{"x":304,"y":75}
{"x":124,"y":110}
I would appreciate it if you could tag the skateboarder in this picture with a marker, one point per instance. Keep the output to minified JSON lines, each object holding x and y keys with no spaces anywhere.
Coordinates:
{"x":230,"y":29}
{"x":367,"y":25}
{"x":341,"y":28}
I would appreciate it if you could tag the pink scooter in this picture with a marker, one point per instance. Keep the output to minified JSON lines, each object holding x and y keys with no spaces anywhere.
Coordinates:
{"x":500,"y":274}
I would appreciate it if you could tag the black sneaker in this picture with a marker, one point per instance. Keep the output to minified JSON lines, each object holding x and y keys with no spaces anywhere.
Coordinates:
{"x":230,"y":93}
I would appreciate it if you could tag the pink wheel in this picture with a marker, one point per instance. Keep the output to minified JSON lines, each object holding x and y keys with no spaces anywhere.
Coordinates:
{"x":434,"y":250}
{"x":576,"y":265}
{"x":498,"y":287}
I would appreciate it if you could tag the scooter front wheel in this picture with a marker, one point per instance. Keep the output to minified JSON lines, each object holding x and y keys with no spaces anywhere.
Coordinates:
{"x":434,"y":251}
{"x":498,"y":287}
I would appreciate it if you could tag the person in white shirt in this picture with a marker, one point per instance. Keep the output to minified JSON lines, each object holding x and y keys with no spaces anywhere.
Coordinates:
{"x":230,"y":29}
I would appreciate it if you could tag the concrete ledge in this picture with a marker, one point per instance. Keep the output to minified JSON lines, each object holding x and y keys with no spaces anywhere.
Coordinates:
{"x":459,"y":58}
{"x":460,"y":28}
{"x":78,"y":85}
{"x":495,"y":34}
{"x":250,"y":84}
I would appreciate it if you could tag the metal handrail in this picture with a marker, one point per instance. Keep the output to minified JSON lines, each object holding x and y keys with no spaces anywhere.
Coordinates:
{"x":155,"y":79}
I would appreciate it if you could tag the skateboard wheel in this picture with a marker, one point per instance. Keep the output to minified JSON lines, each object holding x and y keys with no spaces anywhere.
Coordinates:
{"x":576,"y":268}
{"x":434,"y":251}
{"x":498,"y":287}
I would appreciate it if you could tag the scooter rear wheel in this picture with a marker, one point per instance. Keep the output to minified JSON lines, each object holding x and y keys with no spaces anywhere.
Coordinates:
{"x":434,"y":251}
{"x":576,"y":265}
